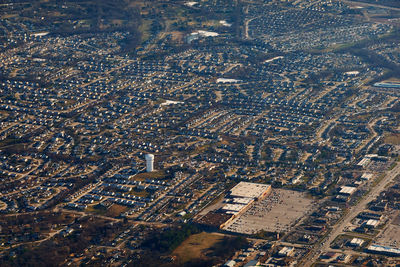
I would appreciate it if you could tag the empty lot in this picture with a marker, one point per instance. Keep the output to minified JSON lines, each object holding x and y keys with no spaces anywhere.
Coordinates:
{"x":196,"y":246}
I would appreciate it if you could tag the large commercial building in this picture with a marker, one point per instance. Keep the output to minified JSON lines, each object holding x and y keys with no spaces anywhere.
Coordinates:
{"x":390,"y":251}
{"x":236,"y":202}
{"x":250,"y":190}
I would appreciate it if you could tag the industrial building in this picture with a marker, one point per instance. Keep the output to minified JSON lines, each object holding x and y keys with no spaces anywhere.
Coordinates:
{"x":239,"y":199}
{"x":250,"y":190}
{"x":243,"y":195}
{"x":347,"y":190}
{"x":286,"y":252}
{"x":390,"y":251}
{"x":367,"y":176}
{"x":356,"y":242}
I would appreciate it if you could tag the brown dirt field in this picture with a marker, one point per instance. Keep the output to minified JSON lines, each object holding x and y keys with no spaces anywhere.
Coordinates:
{"x":393,"y":139}
{"x":196,"y":246}
{"x":115,"y":210}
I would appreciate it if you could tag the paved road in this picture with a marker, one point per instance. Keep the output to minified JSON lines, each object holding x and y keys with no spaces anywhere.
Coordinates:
{"x":371,"y":4}
{"x":338,"y":228}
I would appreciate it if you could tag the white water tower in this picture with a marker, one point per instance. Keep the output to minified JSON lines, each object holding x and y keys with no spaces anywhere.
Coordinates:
{"x":149,"y":162}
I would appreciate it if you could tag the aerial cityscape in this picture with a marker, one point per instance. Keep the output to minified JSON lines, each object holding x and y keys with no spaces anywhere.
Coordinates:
{"x":200,"y":133}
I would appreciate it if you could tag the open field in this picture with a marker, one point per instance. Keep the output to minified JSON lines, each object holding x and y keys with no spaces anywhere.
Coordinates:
{"x":2,"y":205}
{"x":393,"y":139}
{"x":158,"y":175}
{"x":116,"y":210}
{"x":196,"y":246}
{"x":140,"y":193}
{"x":276,"y":213}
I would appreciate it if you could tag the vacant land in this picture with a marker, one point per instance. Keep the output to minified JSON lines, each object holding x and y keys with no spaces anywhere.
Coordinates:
{"x":116,"y":210}
{"x":391,"y":235}
{"x":276,"y":213}
{"x":393,"y":139}
{"x":157,"y":175}
{"x":196,"y":246}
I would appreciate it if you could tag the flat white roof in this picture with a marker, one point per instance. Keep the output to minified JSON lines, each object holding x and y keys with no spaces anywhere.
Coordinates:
{"x":372,"y":222}
{"x":357,"y":241}
{"x":249,"y":190}
{"x":347,"y":190}
{"x":384,"y":249}
{"x":242,"y":200}
{"x":286,"y":250}
{"x":233,"y":207}
{"x":367,"y":176}
{"x":364,"y":162}
{"x":230,"y":263}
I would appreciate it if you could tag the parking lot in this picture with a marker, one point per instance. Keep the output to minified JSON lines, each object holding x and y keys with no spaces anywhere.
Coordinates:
{"x":391,"y":235}
{"x":276,"y":213}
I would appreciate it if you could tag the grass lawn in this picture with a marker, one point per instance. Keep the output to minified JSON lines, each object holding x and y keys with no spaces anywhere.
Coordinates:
{"x":196,"y":246}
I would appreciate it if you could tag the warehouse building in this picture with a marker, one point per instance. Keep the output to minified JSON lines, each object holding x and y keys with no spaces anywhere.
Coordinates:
{"x":390,"y":251}
{"x":250,"y":190}
{"x":239,"y":199}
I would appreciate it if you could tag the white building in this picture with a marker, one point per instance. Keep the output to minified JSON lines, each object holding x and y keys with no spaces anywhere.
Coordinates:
{"x":367,"y":176}
{"x":356,"y":242}
{"x":347,"y":190}
{"x":250,"y":190}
